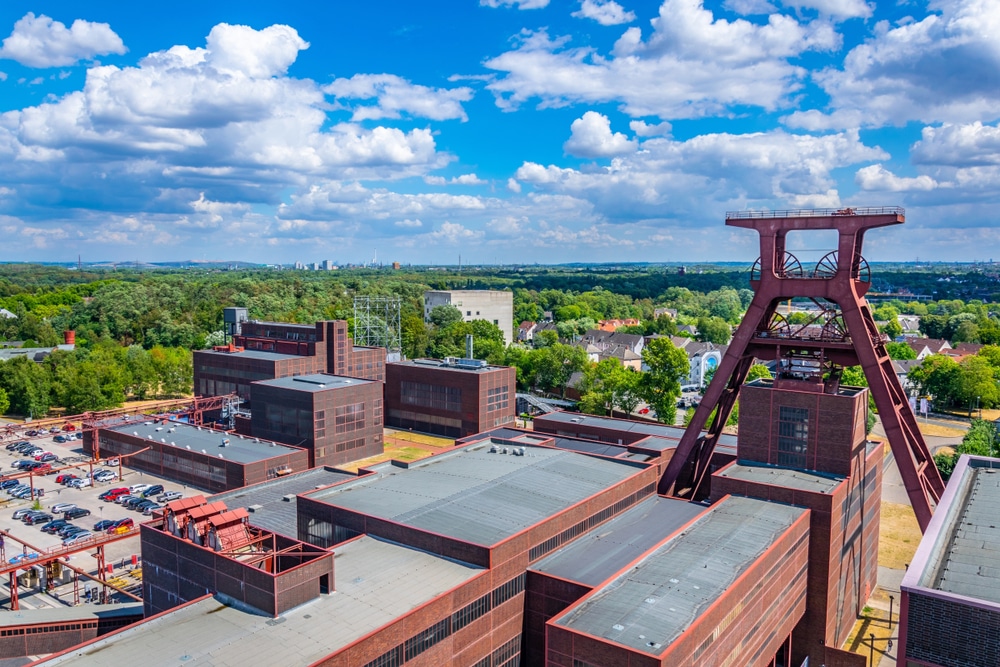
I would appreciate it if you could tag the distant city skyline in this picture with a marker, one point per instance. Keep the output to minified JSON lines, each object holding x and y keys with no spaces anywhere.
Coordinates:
{"x":504,"y":131}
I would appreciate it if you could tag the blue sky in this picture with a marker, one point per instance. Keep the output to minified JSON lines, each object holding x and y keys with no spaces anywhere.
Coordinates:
{"x":503,"y":130}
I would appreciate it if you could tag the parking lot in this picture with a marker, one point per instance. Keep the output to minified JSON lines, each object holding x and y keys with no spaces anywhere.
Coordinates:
{"x":71,"y":460}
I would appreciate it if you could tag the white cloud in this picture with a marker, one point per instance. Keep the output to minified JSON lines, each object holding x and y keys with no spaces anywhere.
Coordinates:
{"x":258,"y":54}
{"x":876,"y":177}
{"x":38,"y":41}
{"x":3,"y":76}
{"x":972,"y":144}
{"x":454,"y":233}
{"x":749,"y":7}
{"x":643,"y":129}
{"x":686,"y":180}
{"x":409,"y":224}
{"x":605,"y":12}
{"x":520,"y":4}
{"x":691,"y":65}
{"x":464,"y":179}
{"x":592,"y":137}
{"x":837,"y":9}
{"x":939,"y":69}
{"x":513,"y":185}
{"x":395,"y":96}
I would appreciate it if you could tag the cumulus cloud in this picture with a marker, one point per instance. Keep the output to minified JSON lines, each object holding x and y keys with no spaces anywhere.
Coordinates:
{"x":644,"y":129}
{"x":592,"y":137}
{"x":749,"y":7}
{"x":939,"y":69}
{"x":876,"y":177}
{"x":520,"y":4}
{"x":395,"y":96}
{"x":683,"y":180}
{"x":454,"y":233}
{"x":39,"y":41}
{"x":692,"y":65}
{"x":464,"y":179}
{"x":971,"y":144}
{"x":605,"y":12}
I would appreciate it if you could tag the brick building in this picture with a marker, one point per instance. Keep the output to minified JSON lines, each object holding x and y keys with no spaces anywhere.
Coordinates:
{"x":202,"y":457}
{"x":269,"y":350}
{"x":336,"y":419}
{"x":949,"y":613}
{"x":453,"y":398}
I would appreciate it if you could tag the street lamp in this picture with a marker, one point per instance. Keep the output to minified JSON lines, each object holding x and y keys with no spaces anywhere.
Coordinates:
{"x":871,"y":650}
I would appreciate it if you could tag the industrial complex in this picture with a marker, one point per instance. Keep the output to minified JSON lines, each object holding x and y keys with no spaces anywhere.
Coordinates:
{"x":580,"y":541}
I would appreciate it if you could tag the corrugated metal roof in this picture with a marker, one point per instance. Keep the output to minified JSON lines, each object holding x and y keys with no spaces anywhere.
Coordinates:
{"x":599,"y":553}
{"x":970,"y":564}
{"x":252,"y":354}
{"x":793,"y":479}
{"x":726,"y":444}
{"x":240,"y":449}
{"x":272,"y":511}
{"x":376,"y":582}
{"x":649,"y":606}
{"x":477,"y":496}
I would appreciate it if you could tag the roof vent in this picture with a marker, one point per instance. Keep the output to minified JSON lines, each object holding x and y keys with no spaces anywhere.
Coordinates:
{"x":288,"y":497}
{"x":173,"y":444}
{"x":188,"y":446}
{"x":159,"y":428}
{"x":204,"y":452}
{"x":493,"y":449}
{"x":254,"y":508}
{"x":225,"y":442}
{"x":135,"y":433}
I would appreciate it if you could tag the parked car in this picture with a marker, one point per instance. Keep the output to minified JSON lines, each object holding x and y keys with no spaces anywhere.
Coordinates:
{"x":21,"y":512}
{"x":60,"y":438}
{"x":169,"y":496}
{"x":143,"y":504}
{"x":59,"y":508}
{"x":77,"y":537}
{"x":78,"y":435}
{"x":104,"y":524}
{"x":54,"y":525}
{"x":42,"y":468}
{"x":69,"y":529}
{"x":124,"y":498}
{"x":138,"y":488}
{"x":17,"y":465}
{"x":8,"y":484}
{"x":68,"y":427}
{"x":27,"y":492}
{"x":80,"y":482}
{"x":76,"y":513}
{"x":16,"y":489}
{"x":67,"y":479}
{"x":149,"y":509}
{"x":121,"y":526}
{"x":133,"y":502}
{"x":106,"y":476}
{"x":14,"y":445}
{"x":114,"y":494}
{"x":152,"y":491}
{"x":24,"y":516}
{"x":32,"y":451}
{"x":111,"y":462}
{"x":37,"y":518}
{"x":48,"y":457}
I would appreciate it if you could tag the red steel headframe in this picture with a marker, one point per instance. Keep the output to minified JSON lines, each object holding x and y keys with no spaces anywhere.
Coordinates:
{"x":841,"y":278}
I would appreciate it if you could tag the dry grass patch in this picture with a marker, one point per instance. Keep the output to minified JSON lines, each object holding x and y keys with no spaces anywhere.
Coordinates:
{"x":899,"y":535}
{"x":872,"y":622}
{"x":940,"y":431}
{"x":399,"y":453}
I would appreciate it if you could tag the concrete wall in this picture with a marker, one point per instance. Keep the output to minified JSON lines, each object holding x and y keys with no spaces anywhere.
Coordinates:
{"x":490,"y":305}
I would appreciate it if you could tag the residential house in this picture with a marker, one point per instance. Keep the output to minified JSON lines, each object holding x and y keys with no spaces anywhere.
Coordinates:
{"x":526,"y":331}
{"x":669,"y":312}
{"x":925,"y":347}
{"x":902,"y":367}
{"x":614,"y":325}
{"x":910,"y":324}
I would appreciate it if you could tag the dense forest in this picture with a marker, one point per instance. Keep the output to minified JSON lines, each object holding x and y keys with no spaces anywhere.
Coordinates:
{"x":135,"y":329}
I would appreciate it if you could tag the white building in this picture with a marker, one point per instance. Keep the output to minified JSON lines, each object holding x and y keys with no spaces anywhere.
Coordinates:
{"x":490,"y":305}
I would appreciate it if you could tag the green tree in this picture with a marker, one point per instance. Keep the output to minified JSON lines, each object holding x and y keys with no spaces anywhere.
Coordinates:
{"x":945,"y":463}
{"x":546,"y":338}
{"x":553,"y":365}
{"x":713,"y":330}
{"x":27,"y":385}
{"x":660,"y":386}
{"x":980,"y":439}
{"x":893,"y":329}
{"x":4,"y":402}
{"x":414,"y":336}
{"x":900,"y":351}
{"x":758,"y":372}
{"x":937,"y":376}
{"x":597,"y":388}
{"x":443,"y":315}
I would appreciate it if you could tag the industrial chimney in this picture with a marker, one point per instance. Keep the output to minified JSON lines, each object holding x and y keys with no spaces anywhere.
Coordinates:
{"x":69,"y":337}
{"x":468,"y":346}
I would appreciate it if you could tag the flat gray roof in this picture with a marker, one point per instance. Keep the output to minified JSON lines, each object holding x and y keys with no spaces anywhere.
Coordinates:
{"x":240,"y":449}
{"x":81,"y":613}
{"x":776,"y":476}
{"x":599,"y":553}
{"x":654,"y":601}
{"x":271,"y":509}
{"x":251,"y":354}
{"x":967,"y":558}
{"x":479,"y":496}
{"x":727,"y":441}
{"x":315,"y":382}
{"x":376,"y":583}
{"x":441,"y":365}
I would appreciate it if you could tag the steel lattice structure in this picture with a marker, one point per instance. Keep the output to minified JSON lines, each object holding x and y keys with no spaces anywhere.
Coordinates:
{"x":377,"y":323}
{"x":842,"y":334}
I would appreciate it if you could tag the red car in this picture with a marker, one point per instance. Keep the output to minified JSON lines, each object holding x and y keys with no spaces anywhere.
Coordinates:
{"x":644,"y":411}
{"x":121,"y":526}
{"x":114,"y":494}
{"x":68,"y":428}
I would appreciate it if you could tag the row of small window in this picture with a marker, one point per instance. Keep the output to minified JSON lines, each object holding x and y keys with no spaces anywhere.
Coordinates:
{"x":497,"y":398}
{"x":572,"y":532}
{"x":431,"y":396}
{"x":350,"y":444}
{"x":443,"y":629}
{"x":65,"y":627}
{"x":349,"y":418}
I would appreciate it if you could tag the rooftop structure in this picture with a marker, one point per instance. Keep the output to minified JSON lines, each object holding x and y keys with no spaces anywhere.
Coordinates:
{"x":496,"y":306}
{"x":599,"y":554}
{"x":789,"y":478}
{"x":482,"y":493}
{"x":377,"y":583}
{"x":657,"y":599}
{"x":314,"y":382}
{"x":272,"y":505}
{"x":950,"y":607}
{"x":221,"y":444}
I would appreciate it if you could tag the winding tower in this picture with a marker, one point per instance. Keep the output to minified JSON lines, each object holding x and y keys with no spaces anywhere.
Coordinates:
{"x":810,"y":356}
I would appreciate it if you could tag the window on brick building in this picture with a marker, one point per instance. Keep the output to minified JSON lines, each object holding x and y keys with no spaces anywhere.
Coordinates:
{"x":793,"y":436}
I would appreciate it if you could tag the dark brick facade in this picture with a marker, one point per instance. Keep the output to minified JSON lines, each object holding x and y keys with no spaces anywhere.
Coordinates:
{"x":433,"y":397}
{"x":746,"y":625}
{"x":309,"y":419}
{"x":189,"y":466}
{"x":947,"y":633}
{"x":32,"y":639}
{"x":324,"y":347}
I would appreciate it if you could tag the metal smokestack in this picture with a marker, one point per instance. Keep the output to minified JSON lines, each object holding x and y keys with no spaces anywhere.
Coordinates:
{"x":468,"y":346}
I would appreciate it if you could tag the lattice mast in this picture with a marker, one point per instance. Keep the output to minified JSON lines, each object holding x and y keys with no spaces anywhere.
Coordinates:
{"x":842,"y":334}
{"x":377,"y":323}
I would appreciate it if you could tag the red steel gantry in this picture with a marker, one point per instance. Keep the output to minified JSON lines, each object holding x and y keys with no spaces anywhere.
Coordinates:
{"x":843,"y":334}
